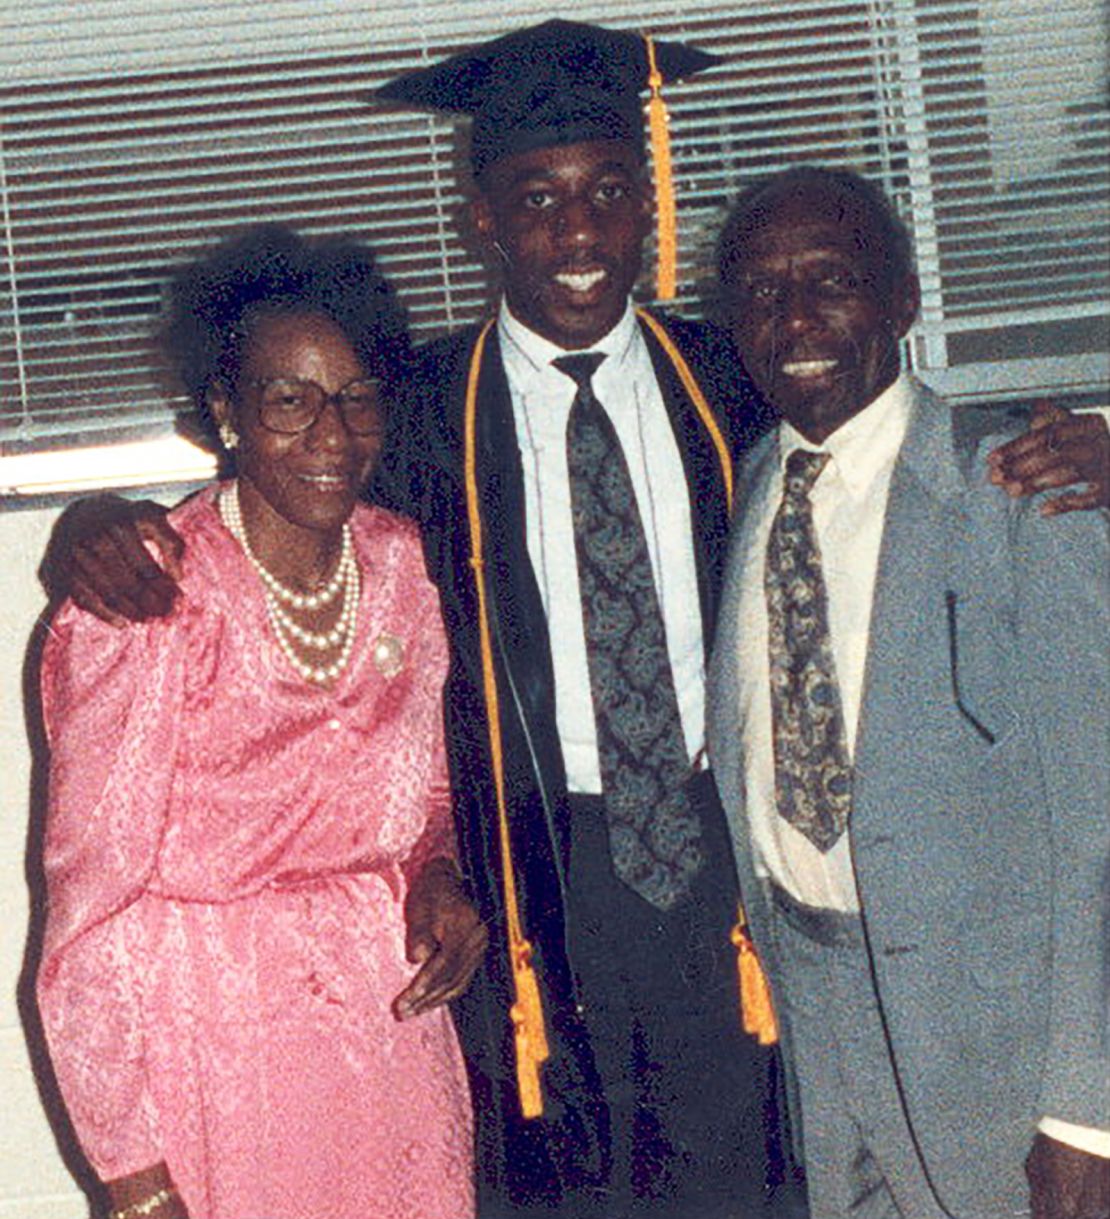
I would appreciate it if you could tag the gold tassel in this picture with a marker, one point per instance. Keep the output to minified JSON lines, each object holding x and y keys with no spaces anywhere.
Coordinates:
{"x":529,"y":1037}
{"x":756,"y":1009}
{"x":658,"y":119}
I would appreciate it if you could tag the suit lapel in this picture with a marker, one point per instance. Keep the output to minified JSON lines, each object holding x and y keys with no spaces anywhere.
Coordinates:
{"x":924,"y":517}
{"x":517,"y":609}
{"x":705,"y":486}
{"x":724,"y":678}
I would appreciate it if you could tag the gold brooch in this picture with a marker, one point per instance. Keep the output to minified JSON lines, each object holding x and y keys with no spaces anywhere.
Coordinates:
{"x":389,"y":655}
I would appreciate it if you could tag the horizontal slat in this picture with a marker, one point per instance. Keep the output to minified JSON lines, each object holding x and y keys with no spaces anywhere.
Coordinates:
{"x":1011,"y":317}
{"x":139,"y":134}
{"x":1024,"y":379}
{"x":151,"y":35}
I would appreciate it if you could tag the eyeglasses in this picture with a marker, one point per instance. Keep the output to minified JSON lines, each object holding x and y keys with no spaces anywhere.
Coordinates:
{"x":290,"y":405}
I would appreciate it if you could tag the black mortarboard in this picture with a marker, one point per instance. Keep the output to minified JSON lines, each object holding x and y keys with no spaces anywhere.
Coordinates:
{"x":562,"y":82}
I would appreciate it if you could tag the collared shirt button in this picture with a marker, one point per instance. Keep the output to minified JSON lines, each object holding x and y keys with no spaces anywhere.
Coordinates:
{"x":334,"y":725}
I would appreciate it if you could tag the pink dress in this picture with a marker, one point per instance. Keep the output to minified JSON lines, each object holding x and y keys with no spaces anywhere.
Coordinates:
{"x":227,"y":855}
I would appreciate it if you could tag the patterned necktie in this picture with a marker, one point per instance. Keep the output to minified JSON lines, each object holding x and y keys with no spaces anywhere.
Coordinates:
{"x":654,"y":834}
{"x":813,"y":775}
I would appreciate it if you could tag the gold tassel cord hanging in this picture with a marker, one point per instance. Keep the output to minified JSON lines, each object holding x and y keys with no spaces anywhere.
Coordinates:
{"x":756,"y":1008}
{"x":529,"y":1035}
{"x":666,"y":237}
{"x":757,"y":1012}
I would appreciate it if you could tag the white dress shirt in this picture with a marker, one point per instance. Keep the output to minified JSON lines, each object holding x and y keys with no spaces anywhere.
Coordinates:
{"x":849,"y":507}
{"x":626,"y":387}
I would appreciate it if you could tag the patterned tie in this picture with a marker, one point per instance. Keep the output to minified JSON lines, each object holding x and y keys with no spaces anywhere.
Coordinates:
{"x":654,"y":834}
{"x":813,"y":775}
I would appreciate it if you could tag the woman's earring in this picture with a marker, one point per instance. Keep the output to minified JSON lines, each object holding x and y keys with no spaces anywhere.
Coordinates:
{"x":229,"y":438}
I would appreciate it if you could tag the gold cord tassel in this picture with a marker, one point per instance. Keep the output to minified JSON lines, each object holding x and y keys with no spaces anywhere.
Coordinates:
{"x":756,"y":1008}
{"x":526,"y":1013}
{"x":658,"y":120}
{"x":529,"y":1037}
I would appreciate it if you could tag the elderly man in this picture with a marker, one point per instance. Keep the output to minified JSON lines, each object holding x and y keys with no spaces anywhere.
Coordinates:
{"x":908,"y":723}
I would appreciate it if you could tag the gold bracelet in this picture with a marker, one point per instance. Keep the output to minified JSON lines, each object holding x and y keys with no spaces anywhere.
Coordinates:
{"x":145,"y":1206}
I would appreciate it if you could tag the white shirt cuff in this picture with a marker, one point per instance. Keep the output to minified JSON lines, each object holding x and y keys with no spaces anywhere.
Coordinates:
{"x":1084,"y":1138}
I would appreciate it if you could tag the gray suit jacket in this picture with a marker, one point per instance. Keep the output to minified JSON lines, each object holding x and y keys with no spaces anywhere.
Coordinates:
{"x":981,"y":812}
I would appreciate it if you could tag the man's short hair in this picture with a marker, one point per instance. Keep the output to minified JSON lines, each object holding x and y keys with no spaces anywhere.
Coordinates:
{"x":855,"y":194}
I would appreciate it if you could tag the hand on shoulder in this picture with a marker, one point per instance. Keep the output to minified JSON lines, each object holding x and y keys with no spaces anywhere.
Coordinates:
{"x":97,"y":556}
{"x":1060,"y":449}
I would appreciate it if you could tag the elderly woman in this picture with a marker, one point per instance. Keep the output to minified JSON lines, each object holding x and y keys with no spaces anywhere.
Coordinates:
{"x":246,"y":796}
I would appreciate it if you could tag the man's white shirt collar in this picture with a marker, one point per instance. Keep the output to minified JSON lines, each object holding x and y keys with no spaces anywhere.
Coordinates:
{"x":528,"y":355}
{"x":867,"y":444}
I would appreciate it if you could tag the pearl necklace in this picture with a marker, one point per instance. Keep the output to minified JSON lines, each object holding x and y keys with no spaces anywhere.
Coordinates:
{"x":287,"y":630}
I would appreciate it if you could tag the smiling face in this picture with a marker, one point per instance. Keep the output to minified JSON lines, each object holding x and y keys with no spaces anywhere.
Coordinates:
{"x":570,"y":224}
{"x":296,"y":490}
{"x":817,"y":309}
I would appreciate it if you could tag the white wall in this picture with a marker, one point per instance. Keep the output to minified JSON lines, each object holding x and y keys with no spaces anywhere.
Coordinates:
{"x":34,"y":1181}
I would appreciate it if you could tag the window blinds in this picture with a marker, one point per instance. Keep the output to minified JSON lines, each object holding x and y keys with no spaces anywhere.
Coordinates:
{"x":135,"y":132}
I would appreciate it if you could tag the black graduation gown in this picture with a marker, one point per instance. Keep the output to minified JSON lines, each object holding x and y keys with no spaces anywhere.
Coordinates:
{"x":546,"y":1163}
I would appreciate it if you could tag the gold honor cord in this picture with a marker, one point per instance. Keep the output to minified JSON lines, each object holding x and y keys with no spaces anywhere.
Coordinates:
{"x":757,"y":1013}
{"x":696,"y":396}
{"x":529,"y":1036}
{"x":666,"y":257}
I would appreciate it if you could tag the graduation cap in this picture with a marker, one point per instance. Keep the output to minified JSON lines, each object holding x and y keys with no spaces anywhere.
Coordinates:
{"x":561,"y":82}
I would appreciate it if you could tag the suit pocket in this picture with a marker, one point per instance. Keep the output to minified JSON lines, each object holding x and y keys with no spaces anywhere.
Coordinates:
{"x":976,"y":671}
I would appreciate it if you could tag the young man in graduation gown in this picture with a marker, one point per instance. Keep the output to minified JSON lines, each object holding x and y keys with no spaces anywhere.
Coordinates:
{"x":655,"y":1101}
